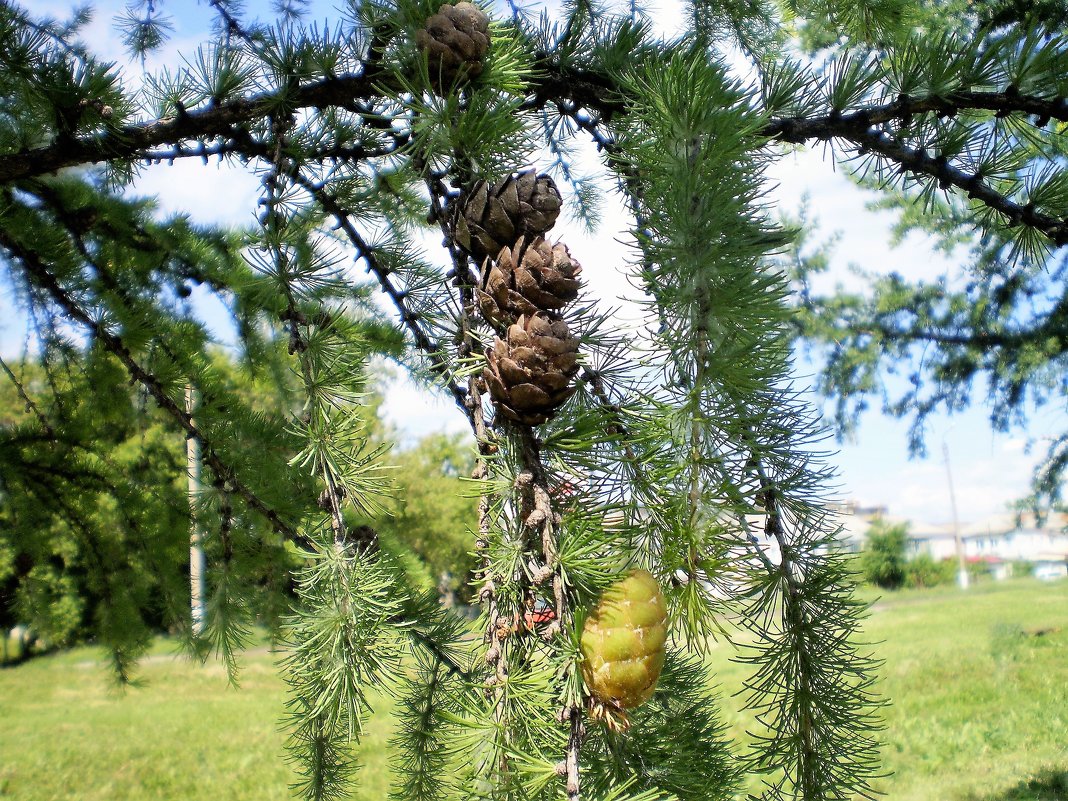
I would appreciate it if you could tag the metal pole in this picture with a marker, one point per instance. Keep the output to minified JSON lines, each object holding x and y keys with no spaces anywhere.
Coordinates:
{"x":196,"y":550}
{"x":962,"y":570}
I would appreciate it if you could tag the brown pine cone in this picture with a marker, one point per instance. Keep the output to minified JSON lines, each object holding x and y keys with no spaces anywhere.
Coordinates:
{"x":455,"y":41}
{"x":494,"y":216}
{"x":529,"y":373}
{"x":528,"y":277}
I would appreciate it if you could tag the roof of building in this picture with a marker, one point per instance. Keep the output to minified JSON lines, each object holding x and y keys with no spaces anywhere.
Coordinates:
{"x":931,"y":531}
{"x":856,"y":520}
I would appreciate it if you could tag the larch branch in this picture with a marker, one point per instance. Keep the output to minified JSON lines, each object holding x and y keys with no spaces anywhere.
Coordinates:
{"x":47,"y":281}
{"x":920,"y":161}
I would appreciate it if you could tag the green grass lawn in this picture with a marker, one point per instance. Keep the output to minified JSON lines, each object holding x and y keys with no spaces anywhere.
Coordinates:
{"x":979,"y":684}
{"x":979,"y":689}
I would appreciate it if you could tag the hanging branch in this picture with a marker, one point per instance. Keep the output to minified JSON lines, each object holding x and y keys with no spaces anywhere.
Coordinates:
{"x":630,"y":183}
{"x":46,"y":281}
{"x":274,"y":225}
{"x":468,"y":345}
{"x":409,"y":318}
{"x":542,"y":522}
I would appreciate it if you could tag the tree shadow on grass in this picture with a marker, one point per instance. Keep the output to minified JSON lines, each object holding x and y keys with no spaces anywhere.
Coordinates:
{"x":1046,"y":785}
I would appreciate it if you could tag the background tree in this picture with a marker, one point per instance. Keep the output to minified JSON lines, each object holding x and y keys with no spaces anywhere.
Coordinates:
{"x":95,"y":510}
{"x":430,"y":511}
{"x":678,"y":446}
{"x":995,"y":332}
{"x":883,"y":560}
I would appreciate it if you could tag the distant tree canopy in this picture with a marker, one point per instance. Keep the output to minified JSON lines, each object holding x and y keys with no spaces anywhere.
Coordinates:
{"x":95,"y":515}
{"x":432,"y":508}
{"x":95,"y":511}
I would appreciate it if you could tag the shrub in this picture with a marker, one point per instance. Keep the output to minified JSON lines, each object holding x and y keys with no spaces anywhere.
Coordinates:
{"x":923,"y":571}
{"x":882,"y":562}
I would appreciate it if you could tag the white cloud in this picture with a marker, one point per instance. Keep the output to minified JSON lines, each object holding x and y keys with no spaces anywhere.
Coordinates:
{"x":212,"y":193}
{"x":984,"y":483}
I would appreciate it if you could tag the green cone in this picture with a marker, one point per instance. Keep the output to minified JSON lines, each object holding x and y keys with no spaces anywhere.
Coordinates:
{"x":623,"y":645}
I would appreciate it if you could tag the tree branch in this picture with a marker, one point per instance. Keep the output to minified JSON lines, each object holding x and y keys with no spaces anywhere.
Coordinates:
{"x":919,"y":161}
{"x":26,"y":399}
{"x":47,"y":281}
{"x":213,"y":120}
{"x":135,"y":140}
{"x":553,"y":84}
{"x":226,"y":146}
{"x":799,"y":130}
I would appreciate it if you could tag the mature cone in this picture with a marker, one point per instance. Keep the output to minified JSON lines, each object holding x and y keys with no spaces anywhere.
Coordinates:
{"x":623,"y":646}
{"x":529,"y":373}
{"x":528,"y":277}
{"x":494,"y":216}
{"x":455,"y":40}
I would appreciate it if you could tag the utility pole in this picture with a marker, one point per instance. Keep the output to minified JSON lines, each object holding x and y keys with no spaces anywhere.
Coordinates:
{"x":962,"y":570}
{"x":196,"y":537}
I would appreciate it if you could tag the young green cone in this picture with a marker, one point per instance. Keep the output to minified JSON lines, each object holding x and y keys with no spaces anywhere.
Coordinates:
{"x":623,"y":647}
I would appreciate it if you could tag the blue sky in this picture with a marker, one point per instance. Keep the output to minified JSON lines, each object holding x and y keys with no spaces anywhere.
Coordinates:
{"x":989,"y":469}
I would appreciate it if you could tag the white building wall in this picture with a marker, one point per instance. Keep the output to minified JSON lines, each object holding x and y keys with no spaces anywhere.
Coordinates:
{"x":938,"y":548}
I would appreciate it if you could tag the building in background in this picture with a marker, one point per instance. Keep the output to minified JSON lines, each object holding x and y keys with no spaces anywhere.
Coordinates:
{"x":997,"y":542}
{"x":855,"y":520}
{"x":1000,"y":541}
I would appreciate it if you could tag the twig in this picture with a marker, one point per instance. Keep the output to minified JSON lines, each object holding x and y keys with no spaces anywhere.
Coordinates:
{"x":574,"y":743}
{"x":26,"y":399}
{"x":226,"y":147}
{"x":273,"y":224}
{"x":542,"y":524}
{"x":409,"y":318}
{"x":435,"y":648}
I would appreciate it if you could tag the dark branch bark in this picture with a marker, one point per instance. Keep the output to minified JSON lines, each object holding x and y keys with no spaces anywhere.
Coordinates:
{"x":799,"y":130}
{"x":227,"y":147}
{"x":919,"y":161}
